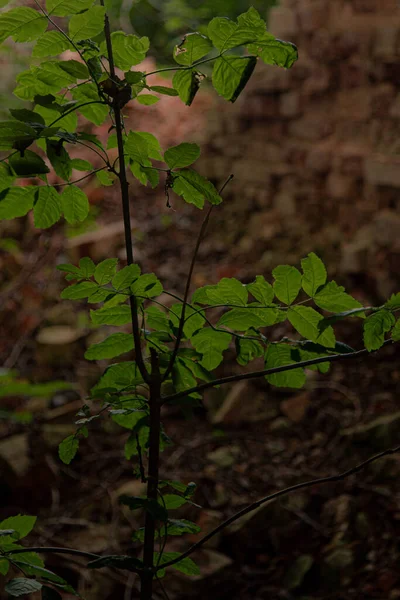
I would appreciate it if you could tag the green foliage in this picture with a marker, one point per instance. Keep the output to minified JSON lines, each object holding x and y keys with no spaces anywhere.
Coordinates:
{"x":175,"y":345}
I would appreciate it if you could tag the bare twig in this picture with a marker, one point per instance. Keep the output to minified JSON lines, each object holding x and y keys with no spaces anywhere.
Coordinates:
{"x":284,"y":492}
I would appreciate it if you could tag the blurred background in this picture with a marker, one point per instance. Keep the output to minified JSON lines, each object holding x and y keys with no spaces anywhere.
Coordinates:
{"x":315,"y":157}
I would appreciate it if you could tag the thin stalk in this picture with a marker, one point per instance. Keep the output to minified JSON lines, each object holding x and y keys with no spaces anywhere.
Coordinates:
{"x":152,"y":478}
{"x":74,"y":108}
{"x":124,"y":186}
{"x":255,"y":374}
{"x":188,"y":282}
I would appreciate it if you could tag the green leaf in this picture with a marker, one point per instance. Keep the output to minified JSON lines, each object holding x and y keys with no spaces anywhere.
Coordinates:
{"x":147,"y":99}
{"x":173,"y":501}
{"x":396,"y":332}
{"x":86,"y":267}
{"x":227,"y":291}
{"x":74,"y":204}
{"x":247,"y":350}
{"x":21,"y":586}
{"x":193,"y":187}
{"x":306,"y":321}
{"x":29,"y":164}
{"x":68,"y":449}
{"x":22,"y":524}
{"x":156,"y":319}
{"x":129,"y":421}
{"x":125,"y":277}
{"x":193,"y":47}
{"x":314,"y":274}
{"x":87,"y":92}
{"x":193,"y":320}
{"x":4,"y":566}
{"x":333,"y":298}
{"x":145,"y":174}
{"x":27,"y":116}
{"x":375,"y":327}
{"x":261,"y":290}
{"x":59,"y":158}
{"x":133,"y":77}
{"x":166,"y":91}
{"x":129,"y":50}
{"x":16,"y":202}
{"x":106,"y":270}
{"x":51,"y":43}
{"x":210,"y":344}
{"x":114,"y":345}
{"x":65,"y":8}
{"x":81,"y":165}
{"x":231,"y":74}
{"x":279,"y":355}
{"x":226,"y":34}
{"x":47,"y":207}
{"x":78,"y":291}
{"x":187,"y":84}
{"x":287,"y":283}
{"x":181,"y":526}
{"x":37,"y":571}
{"x":182,"y":155}
{"x":6,"y":178}
{"x":88,"y":24}
{"x":13,"y":133}
{"x":137,"y":148}
{"x":394,"y":302}
{"x":186,"y":565}
{"x":117,"y":315}
{"x":69,"y":122}
{"x":242,"y":319}
{"x":147,"y":286}
{"x":275,"y":52}
{"x":106,"y":178}
{"x":23,"y":24}
{"x":74,"y":68}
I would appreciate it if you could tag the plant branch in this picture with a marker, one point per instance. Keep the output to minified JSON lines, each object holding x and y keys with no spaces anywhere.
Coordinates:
{"x":80,"y":179}
{"x":124,"y":186}
{"x":255,"y":374}
{"x":71,"y":41}
{"x":74,"y":108}
{"x":188,"y":282}
{"x":105,"y":160}
{"x":284,"y":492}
{"x":200,"y":62}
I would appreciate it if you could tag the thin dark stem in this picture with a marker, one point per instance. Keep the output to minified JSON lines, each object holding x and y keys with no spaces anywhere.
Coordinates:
{"x":288,"y":490}
{"x":188,"y":282}
{"x":51,"y":550}
{"x":140,"y":456}
{"x":80,"y":179}
{"x":200,"y":62}
{"x":256,"y":374}
{"x":105,"y":160}
{"x":74,"y":108}
{"x":124,"y":185}
{"x":152,"y":478}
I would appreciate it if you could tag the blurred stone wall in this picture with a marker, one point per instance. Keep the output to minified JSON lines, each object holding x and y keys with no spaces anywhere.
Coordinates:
{"x":316,"y":150}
